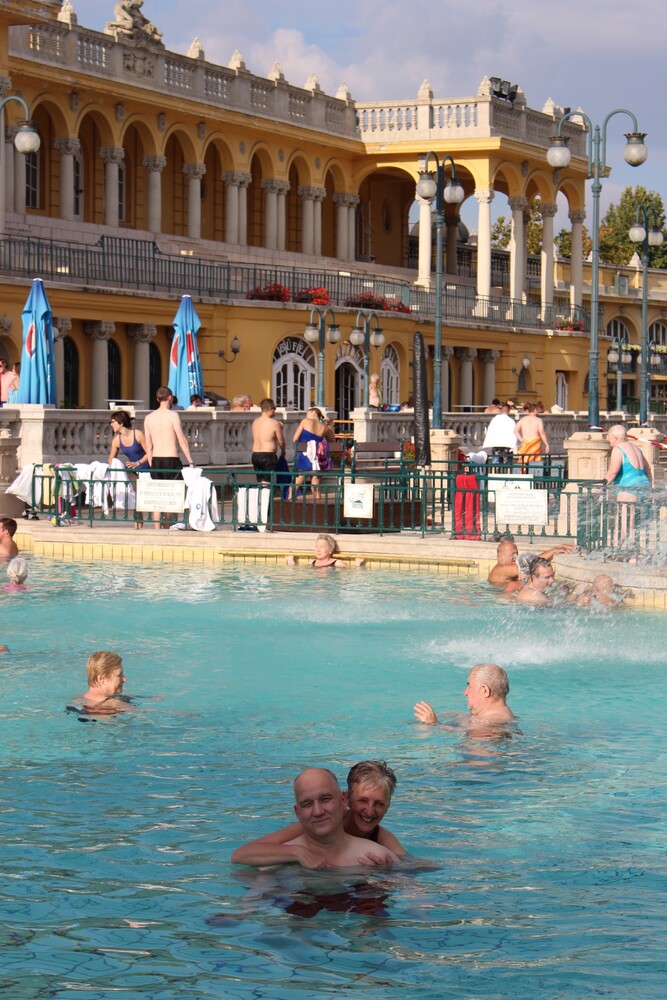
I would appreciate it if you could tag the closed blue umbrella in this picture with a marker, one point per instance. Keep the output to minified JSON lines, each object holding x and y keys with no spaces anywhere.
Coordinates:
{"x":38,"y":370}
{"x":185,"y":378}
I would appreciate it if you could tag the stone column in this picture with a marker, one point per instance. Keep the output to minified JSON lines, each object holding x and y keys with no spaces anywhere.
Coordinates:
{"x":547,"y":259}
{"x":142,"y":334}
{"x":425,"y":243}
{"x":517,"y":249}
{"x":342,"y":241}
{"x":352,"y":226}
{"x":489,"y":389}
{"x":282,"y":187}
{"x":8,"y":161}
{"x":154,"y":166}
{"x":319,"y":194}
{"x":112,"y":157}
{"x":484,"y":199}
{"x":446,"y":353}
{"x":307,"y":195}
{"x":61,"y":327}
{"x":245,"y":181}
{"x":68,"y":149}
{"x":452,"y":223}
{"x":577,"y":259}
{"x":100,"y":332}
{"x":466,"y":356}
{"x":194,"y":173}
{"x":268,"y":186}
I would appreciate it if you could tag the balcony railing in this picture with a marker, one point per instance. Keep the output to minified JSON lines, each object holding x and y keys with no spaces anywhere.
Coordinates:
{"x":129,"y":264}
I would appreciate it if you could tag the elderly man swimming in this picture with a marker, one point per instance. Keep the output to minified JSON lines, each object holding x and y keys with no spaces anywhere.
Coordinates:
{"x":320,"y":808}
{"x":486,"y":692}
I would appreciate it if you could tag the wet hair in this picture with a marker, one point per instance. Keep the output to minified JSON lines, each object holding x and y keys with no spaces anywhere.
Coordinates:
{"x":102,"y":664}
{"x":372,"y":772}
{"x":330,"y":540}
{"x":524,"y":562}
{"x":9,"y":524}
{"x":17,"y":570}
{"x":266,"y":405}
{"x":537,"y":562}
{"x":494,"y":677}
{"x":121,"y":417}
{"x":164,"y":392}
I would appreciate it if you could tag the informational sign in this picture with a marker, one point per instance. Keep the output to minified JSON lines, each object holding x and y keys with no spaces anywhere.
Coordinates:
{"x":522,"y":507}
{"x":162,"y":495}
{"x":358,"y":500}
{"x":502,"y":481}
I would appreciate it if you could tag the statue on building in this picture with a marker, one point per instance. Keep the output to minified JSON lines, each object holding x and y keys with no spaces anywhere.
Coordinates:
{"x":130,"y":23}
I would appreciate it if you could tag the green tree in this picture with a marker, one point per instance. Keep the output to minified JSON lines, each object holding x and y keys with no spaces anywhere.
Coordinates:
{"x":564,"y":243}
{"x":616,"y":247}
{"x":501,"y":232}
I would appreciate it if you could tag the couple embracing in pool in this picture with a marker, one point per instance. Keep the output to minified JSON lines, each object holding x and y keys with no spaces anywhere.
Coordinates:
{"x":334,"y":829}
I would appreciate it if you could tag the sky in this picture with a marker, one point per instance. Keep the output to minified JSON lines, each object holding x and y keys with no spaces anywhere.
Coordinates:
{"x":597,"y":55}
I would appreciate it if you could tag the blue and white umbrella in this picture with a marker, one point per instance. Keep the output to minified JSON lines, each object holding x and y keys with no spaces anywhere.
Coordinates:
{"x":185,"y":378}
{"x":38,"y":369}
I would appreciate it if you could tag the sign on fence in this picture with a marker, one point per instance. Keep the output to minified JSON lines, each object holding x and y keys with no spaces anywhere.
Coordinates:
{"x":160,"y":495}
{"x":522,"y":507}
{"x":358,"y":500}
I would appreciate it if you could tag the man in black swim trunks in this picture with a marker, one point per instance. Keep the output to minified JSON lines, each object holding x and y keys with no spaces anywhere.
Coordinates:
{"x":268,"y":441}
{"x":164,"y":434}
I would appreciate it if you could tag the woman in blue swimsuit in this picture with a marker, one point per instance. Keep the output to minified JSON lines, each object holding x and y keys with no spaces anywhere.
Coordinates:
{"x":127,"y":442}
{"x":629,"y":473}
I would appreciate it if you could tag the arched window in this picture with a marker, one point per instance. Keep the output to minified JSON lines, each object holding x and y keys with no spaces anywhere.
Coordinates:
{"x":113,"y":355}
{"x":70,"y":394}
{"x":390,"y":371}
{"x":349,"y":379}
{"x":657,"y":332}
{"x":294,"y":371}
{"x":617,"y":330}
{"x":154,"y":374}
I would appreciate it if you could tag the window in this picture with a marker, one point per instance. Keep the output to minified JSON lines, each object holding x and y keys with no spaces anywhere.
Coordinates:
{"x":32,"y":180}
{"x":390,"y":376}
{"x":155,"y":373}
{"x":122,"y":192}
{"x":658,"y":334}
{"x":70,"y":397}
{"x":113,"y":384}
{"x":78,"y":186}
{"x":294,"y":374}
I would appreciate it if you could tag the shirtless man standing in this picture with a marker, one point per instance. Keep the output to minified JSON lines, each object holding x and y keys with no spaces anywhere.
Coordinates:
{"x":268,"y":441}
{"x":531,"y":435}
{"x":486,"y":692}
{"x":163,"y":434}
{"x":320,"y":808}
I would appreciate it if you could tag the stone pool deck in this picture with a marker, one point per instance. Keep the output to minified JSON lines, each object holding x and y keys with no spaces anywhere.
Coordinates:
{"x":401,"y":551}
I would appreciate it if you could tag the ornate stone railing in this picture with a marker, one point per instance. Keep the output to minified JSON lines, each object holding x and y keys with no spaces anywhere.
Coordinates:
{"x":480,"y":117}
{"x":97,"y":54}
{"x":220,"y":438}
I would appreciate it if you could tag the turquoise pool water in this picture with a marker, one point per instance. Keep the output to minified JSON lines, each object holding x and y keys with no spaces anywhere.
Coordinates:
{"x":117,"y":835}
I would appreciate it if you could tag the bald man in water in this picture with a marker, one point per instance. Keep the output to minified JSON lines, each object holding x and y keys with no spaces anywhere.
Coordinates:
{"x":320,"y":806}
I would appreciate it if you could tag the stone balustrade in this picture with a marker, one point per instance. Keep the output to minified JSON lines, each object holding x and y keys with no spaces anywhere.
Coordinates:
{"x":221,"y":438}
{"x":98,"y":54}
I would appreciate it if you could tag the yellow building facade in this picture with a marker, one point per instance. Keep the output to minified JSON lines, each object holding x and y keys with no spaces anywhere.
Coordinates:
{"x":161,"y":174}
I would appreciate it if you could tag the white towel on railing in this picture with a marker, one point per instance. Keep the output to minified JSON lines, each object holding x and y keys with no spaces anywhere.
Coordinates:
{"x":123,"y":493}
{"x":200,"y":500}
{"x":311,"y":455}
{"x":253,"y":506}
{"x":21,"y":487}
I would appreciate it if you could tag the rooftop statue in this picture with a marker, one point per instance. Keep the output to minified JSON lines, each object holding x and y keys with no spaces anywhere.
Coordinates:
{"x":131,"y":23}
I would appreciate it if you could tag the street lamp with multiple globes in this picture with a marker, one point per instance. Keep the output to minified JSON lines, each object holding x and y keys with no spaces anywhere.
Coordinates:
{"x":451,"y":193}
{"x":619,"y":355}
{"x":315,"y":332}
{"x":361,"y":334}
{"x":558,"y":156}
{"x":647,"y":232}
{"x":26,"y":140}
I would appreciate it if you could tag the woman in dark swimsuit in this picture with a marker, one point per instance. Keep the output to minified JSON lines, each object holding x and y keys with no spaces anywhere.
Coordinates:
{"x":128,"y":442}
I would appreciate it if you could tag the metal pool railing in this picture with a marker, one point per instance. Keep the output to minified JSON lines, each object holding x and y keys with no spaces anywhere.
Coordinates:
{"x":455,"y":500}
{"x":622,"y":529}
